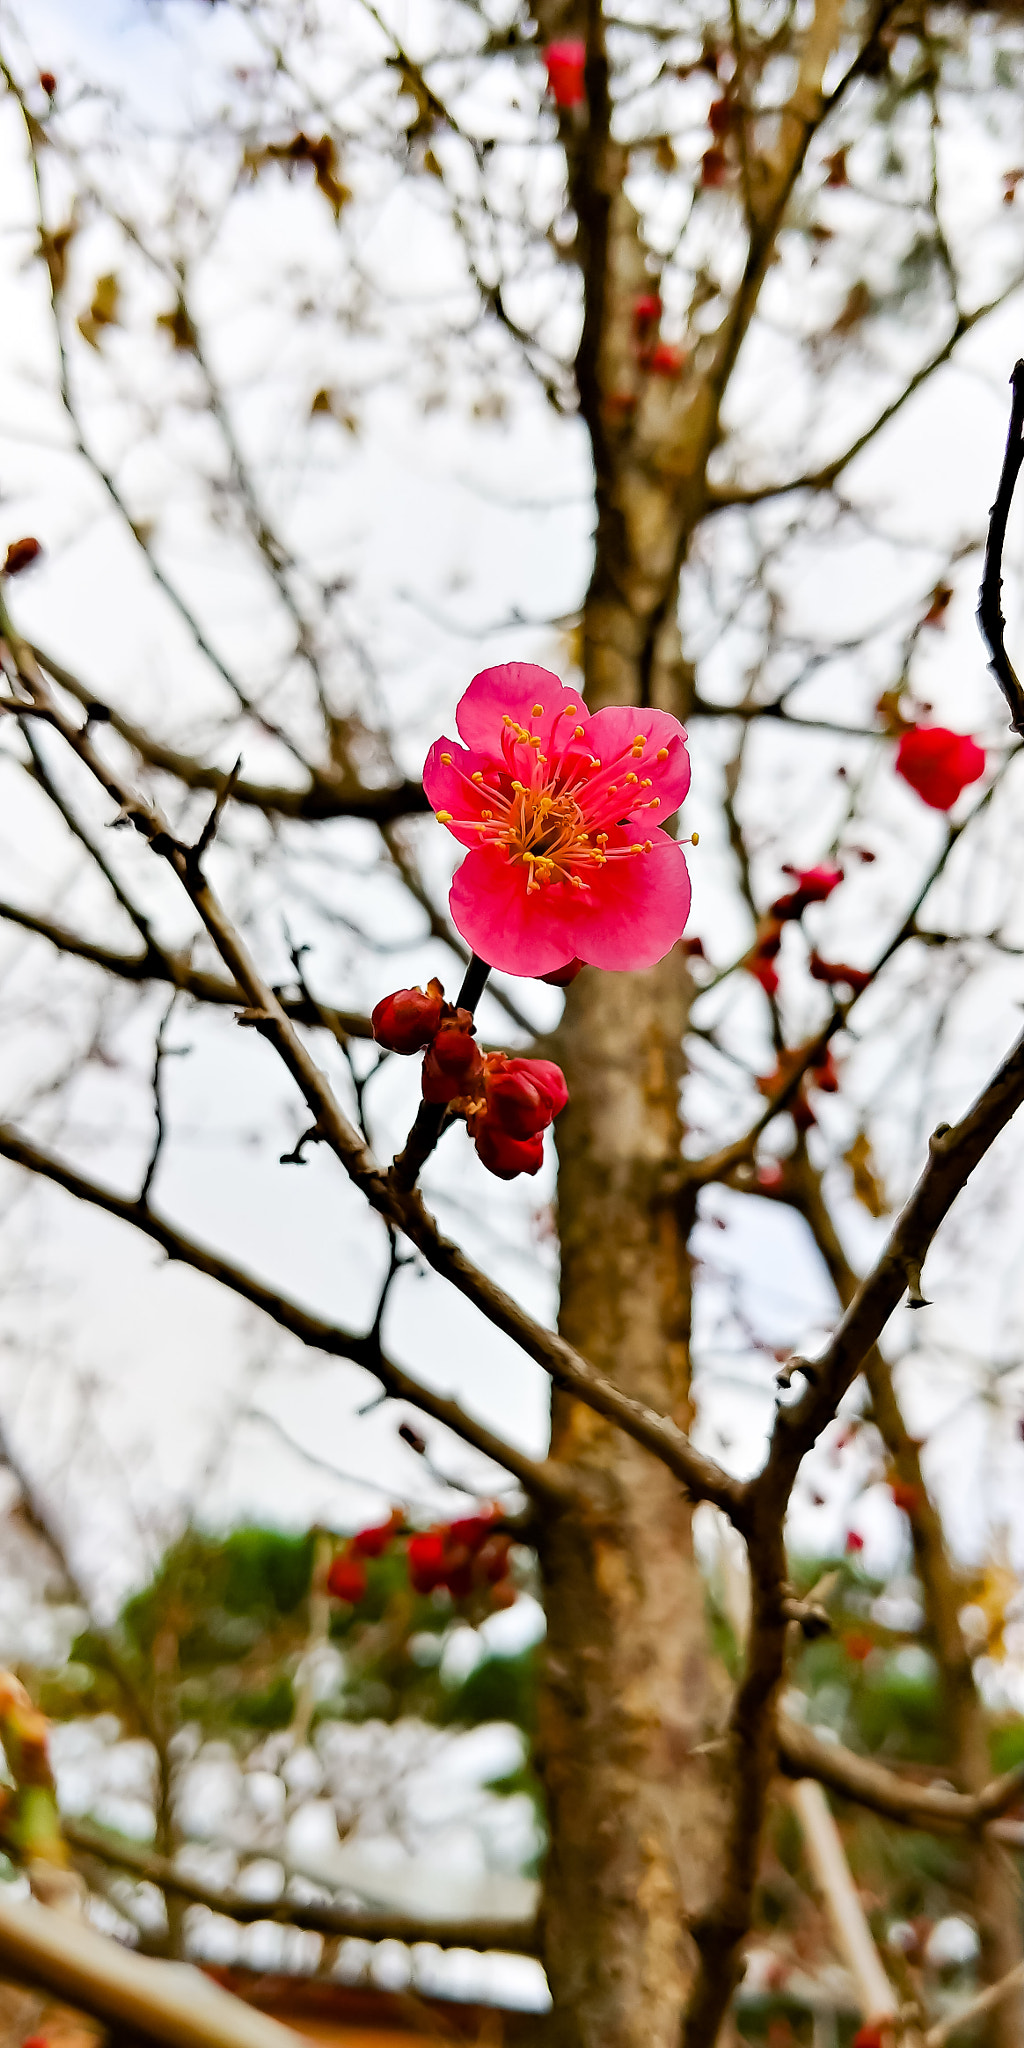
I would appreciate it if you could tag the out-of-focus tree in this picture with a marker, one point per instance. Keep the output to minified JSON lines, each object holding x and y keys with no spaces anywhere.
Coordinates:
{"x":701,"y":312}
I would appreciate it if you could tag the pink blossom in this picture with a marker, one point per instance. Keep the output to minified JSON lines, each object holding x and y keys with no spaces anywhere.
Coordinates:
{"x":557,"y":807}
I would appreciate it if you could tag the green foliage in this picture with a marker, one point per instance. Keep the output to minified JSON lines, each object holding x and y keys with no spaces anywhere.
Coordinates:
{"x":218,"y":1634}
{"x":498,"y":1689}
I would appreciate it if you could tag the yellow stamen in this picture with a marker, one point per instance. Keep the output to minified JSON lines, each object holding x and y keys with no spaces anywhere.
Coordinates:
{"x":447,"y":759}
{"x":444,"y":817}
{"x":662,"y":754}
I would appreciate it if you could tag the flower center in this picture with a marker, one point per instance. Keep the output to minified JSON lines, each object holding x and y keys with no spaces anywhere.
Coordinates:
{"x":548,"y":810}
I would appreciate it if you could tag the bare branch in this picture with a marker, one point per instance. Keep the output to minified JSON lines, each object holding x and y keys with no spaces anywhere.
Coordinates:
{"x":954,"y":1152}
{"x":541,"y":1479}
{"x":515,"y":1936}
{"x":176,"y":969}
{"x":802,"y":1754}
{"x":991,"y":622}
{"x":158,"y":2002}
{"x":324,"y":796}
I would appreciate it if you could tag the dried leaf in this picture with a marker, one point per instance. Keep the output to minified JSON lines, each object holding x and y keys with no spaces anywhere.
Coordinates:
{"x":104,"y":310}
{"x":333,"y":404}
{"x":994,"y":1592}
{"x":53,"y":248}
{"x":178,"y":324}
{"x":320,"y":151}
{"x":867,"y":1186}
{"x":858,"y":305}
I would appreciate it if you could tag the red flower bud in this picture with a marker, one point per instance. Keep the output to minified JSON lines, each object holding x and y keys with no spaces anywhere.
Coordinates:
{"x":48,"y":82}
{"x":523,"y":1096}
{"x":347,"y":1578}
{"x":503,"y":1155}
{"x":471,"y":1530}
{"x":565,"y":65}
{"x":938,"y":763}
{"x":822,"y":1074}
{"x":714,"y":168}
{"x":458,"y":1573}
{"x":560,"y":977}
{"x":619,"y":406}
{"x":493,"y":1559}
{"x":665,"y":360}
{"x":374,"y":1542}
{"x":20,"y":554}
{"x":408,"y":1020}
{"x":646,"y":314}
{"x":720,"y":117}
{"x":763,"y":971}
{"x":905,"y":1495}
{"x":452,"y":1064}
{"x":856,"y":978}
{"x":941,"y":599}
{"x":858,"y":1647}
{"x":425,"y":1555}
{"x":813,"y":885}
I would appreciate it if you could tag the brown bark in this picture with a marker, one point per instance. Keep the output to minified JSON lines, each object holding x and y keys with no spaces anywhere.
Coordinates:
{"x":632,"y":1694}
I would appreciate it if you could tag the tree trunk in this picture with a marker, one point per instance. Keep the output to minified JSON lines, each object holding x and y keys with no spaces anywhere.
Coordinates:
{"x":632,"y":1691}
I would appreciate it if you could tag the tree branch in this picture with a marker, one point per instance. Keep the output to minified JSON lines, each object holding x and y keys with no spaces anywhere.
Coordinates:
{"x":802,"y":1754}
{"x":991,"y":622}
{"x":954,"y":1152}
{"x":155,"y":2001}
{"x":402,"y":1209}
{"x":544,"y":1480}
{"x":324,"y":796}
{"x":515,"y":1936}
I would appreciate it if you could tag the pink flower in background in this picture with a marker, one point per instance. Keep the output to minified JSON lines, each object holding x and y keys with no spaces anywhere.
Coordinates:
{"x":565,"y":63}
{"x":558,"y":808}
{"x":938,"y":763}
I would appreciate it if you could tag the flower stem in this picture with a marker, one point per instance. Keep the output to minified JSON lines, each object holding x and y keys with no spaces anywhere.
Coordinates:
{"x":430,"y":1117}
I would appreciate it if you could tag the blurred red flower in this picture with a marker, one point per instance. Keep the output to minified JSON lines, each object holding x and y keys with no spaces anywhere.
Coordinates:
{"x":938,"y":764}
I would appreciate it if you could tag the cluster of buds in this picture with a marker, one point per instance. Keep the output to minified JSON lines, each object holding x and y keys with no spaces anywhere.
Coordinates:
{"x":661,"y":358}
{"x":811,"y":885}
{"x":820,"y":1072}
{"x":507,"y":1102}
{"x":465,"y":1557}
{"x":346,"y":1578}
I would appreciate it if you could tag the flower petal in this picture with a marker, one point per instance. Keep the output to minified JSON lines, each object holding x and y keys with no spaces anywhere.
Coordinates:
{"x":517,"y":933}
{"x":449,"y":787}
{"x":611,"y":732}
{"x":634,"y":910}
{"x":512,"y":689}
